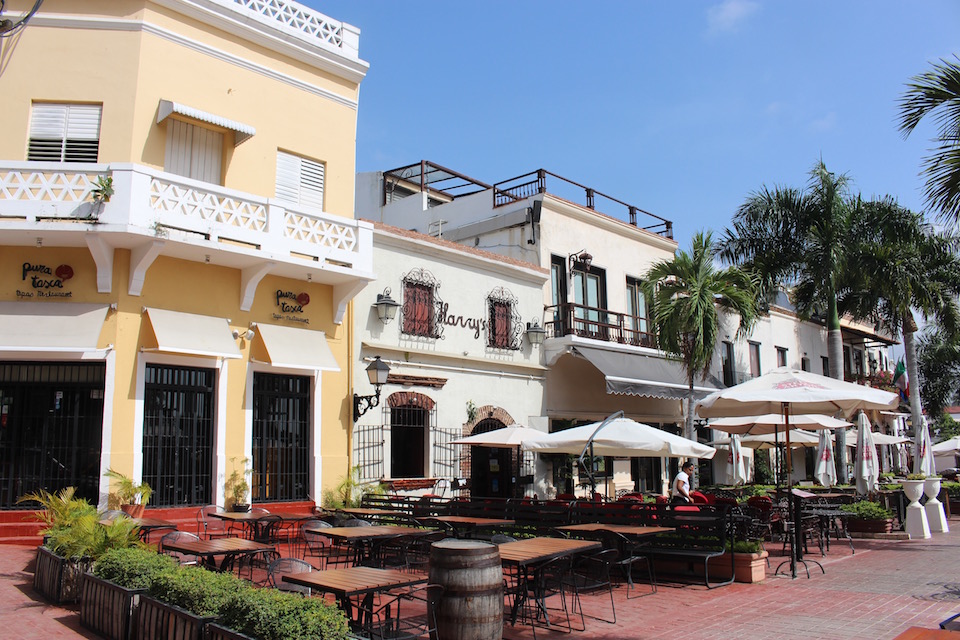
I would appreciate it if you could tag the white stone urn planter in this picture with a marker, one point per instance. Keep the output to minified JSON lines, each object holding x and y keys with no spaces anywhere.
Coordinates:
{"x":916,"y":525}
{"x":936,"y":517}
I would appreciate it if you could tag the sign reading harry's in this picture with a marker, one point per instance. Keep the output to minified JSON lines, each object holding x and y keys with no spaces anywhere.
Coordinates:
{"x":291,"y":306}
{"x":45,"y":282}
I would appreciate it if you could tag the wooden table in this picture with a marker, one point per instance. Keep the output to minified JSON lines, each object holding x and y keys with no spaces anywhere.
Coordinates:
{"x":623,"y":529}
{"x":466,"y":524}
{"x":354,"y":582}
{"x":375,"y":513}
{"x":356,"y":536}
{"x":919,"y":633}
{"x":229,"y":548}
{"x":251,"y":521}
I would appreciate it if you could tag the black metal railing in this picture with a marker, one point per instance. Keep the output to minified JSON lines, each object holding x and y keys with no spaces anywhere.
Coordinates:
{"x":533,"y":183}
{"x":599,"y":324}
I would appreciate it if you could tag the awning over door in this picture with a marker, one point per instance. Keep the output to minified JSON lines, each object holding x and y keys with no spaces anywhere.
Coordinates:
{"x":191,"y":334}
{"x":637,"y":374}
{"x":295,"y":348}
{"x":168,"y":108}
{"x":52,"y":327}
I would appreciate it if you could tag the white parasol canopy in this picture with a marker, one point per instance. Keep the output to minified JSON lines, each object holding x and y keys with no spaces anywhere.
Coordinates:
{"x":770,"y":422}
{"x":923,"y":461}
{"x":506,"y":438}
{"x":826,"y":470}
{"x":738,"y":475}
{"x":867,"y":467}
{"x":621,"y":437}
{"x":798,"y":438}
{"x":882,"y":438}
{"x":947,"y":446}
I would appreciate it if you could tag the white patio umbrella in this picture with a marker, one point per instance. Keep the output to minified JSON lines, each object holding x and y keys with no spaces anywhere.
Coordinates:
{"x":506,"y":438}
{"x":826,"y":469}
{"x":903,"y":462}
{"x":774,"y":422}
{"x":923,"y":461}
{"x":787,"y":391}
{"x":798,"y":438}
{"x":884,"y":439}
{"x":947,"y":446}
{"x":739,"y":473}
{"x":867,"y":468}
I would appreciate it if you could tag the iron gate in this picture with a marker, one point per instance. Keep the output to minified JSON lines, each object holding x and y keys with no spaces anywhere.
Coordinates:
{"x":281,"y":437}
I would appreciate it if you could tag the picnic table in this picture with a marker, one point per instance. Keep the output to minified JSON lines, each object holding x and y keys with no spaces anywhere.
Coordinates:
{"x":463,"y":525}
{"x":353,"y":582}
{"x":230,"y":548}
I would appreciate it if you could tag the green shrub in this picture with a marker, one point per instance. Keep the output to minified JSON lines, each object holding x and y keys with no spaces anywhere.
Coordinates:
{"x":886,"y":476}
{"x":751,"y":490}
{"x":201,"y":592}
{"x":133,"y":568}
{"x":866,"y":510}
{"x":953,"y":489}
{"x":745,"y":546}
{"x":269,"y":614}
{"x":891,"y":487}
{"x":916,"y":476}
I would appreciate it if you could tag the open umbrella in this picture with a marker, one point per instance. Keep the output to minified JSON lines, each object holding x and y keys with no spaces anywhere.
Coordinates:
{"x":867,"y":469}
{"x":506,"y":438}
{"x":826,"y":470}
{"x":923,"y":461}
{"x":739,"y":472}
{"x":774,"y":422}
{"x":798,"y":438}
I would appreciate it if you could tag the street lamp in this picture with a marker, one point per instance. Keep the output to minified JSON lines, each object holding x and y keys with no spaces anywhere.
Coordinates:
{"x":386,"y":306}
{"x":377,"y":372}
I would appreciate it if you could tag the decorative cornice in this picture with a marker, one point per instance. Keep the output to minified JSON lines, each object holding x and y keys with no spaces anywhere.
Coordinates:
{"x":115,"y":24}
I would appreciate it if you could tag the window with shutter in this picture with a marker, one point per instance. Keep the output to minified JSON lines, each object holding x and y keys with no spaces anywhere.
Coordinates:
{"x":421,"y":310}
{"x":193,"y":152}
{"x":299,"y":180}
{"x":504,"y":326}
{"x":64,"y":132}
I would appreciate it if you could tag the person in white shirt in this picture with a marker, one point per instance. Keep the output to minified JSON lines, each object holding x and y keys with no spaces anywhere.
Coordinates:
{"x":680,"y":491}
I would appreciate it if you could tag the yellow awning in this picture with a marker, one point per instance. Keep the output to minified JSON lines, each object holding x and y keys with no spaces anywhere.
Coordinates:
{"x":53,"y":327}
{"x":191,"y":334}
{"x":295,"y":348}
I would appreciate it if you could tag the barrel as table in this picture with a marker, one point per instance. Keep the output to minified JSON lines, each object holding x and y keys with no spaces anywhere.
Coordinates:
{"x":472,"y":577}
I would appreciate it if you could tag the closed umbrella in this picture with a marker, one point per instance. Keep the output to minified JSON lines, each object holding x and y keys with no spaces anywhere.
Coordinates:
{"x":826,"y":470}
{"x":867,"y":468}
{"x":903,"y":461}
{"x":923,"y":461}
{"x":739,"y":472}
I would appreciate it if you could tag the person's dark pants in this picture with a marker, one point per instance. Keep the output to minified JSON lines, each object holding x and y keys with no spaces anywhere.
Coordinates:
{"x":678,"y":500}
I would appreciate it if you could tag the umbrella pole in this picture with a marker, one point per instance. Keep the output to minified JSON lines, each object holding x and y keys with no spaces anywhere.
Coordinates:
{"x":777,"y":460}
{"x":786,"y":426}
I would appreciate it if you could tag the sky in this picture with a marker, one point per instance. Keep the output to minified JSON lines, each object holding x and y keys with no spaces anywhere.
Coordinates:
{"x":680,"y":108}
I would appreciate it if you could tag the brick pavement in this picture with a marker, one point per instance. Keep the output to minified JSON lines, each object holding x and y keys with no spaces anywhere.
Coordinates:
{"x":877,"y":593}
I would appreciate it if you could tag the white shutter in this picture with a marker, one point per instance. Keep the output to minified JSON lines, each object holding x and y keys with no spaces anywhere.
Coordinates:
{"x":299,"y":180}
{"x":193,"y":152}
{"x":64,"y":132}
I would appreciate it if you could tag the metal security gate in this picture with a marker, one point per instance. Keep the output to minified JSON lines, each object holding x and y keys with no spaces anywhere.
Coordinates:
{"x":178,"y":423}
{"x":281,"y":437}
{"x":368,"y":451}
{"x":51,"y":419}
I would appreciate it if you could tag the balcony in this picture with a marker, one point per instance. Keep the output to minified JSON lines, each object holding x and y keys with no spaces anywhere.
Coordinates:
{"x":598,"y":324}
{"x":155,"y":213}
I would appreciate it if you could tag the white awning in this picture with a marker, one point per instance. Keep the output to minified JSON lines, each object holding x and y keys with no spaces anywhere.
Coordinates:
{"x":168,"y":107}
{"x":191,"y":334}
{"x":51,"y":327}
{"x":642,"y":375}
{"x":295,"y":348}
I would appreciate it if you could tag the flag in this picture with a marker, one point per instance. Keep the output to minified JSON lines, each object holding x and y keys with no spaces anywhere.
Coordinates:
{"x":900,"y":380}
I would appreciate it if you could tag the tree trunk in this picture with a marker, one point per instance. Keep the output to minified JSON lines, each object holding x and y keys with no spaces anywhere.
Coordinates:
{"x":913,"y":377}
{"x":690,"y":433}
{"x":835,"y":355}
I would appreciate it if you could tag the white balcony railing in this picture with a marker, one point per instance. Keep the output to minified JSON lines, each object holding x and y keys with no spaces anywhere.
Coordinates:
{"x":301,"y":21}
{"x":151,"y":202}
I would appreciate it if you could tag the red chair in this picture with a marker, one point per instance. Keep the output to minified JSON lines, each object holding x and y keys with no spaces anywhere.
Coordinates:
{"x":662,"y":500}
{"x":700,"y":498}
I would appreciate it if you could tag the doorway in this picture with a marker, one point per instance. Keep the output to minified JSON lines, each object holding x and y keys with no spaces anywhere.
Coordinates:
{"x":491,"y":469}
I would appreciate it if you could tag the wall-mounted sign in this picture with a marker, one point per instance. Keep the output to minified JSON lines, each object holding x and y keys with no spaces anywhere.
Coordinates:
{"x":44,"y":281}
{"x":290,"y":306}
{"x":475,"y":324}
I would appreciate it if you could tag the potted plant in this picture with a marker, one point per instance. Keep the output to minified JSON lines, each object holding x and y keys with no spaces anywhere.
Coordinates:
{"x":936,"y":517}
{"x":868,"y":517}
{"x":131,"y":496}
{"x":237,"y":486}
{"x":749,"y":562}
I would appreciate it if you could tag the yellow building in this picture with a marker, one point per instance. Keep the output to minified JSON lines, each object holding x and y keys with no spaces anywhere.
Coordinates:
{"x":178,"y":250}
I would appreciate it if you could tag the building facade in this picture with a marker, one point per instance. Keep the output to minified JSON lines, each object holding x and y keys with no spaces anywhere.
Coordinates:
{"x":178,"y":248}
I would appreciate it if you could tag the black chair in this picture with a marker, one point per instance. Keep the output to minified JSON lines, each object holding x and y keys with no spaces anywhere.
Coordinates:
{"x":178,"y":536}
{"x":629,"y":554}
{"x":537,"y":586}
{"x":210,"y":527}
{"x":285,"y":566}
{"x":589,"y":574}
{"x":387,"y":620}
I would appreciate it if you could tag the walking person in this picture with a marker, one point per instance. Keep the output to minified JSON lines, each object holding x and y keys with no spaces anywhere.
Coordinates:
{"x":680,"y":491}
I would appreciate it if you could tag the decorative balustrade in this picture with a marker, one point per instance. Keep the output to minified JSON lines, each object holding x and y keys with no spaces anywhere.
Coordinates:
{"x":598,"y":324}
{"x":302,"y":21}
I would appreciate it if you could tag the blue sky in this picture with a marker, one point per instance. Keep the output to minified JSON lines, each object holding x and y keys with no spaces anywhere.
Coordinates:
{"x":680,"y":108}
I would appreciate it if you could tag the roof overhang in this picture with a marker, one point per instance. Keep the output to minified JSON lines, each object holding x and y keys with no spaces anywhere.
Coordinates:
{"x":50,"y":327}
{"x":293,"y":348}
{"x":191,"y":334}
{"x":168,"y":108}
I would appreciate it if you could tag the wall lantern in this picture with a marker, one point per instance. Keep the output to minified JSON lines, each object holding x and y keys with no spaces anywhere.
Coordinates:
{"x":377,"y":372}
{"x":535,"y":333}
{"x":582,"y":259}
{"x":386,"y":306}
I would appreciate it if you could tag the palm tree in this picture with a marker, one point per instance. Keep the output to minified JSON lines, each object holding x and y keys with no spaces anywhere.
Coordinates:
{"x":938,"y":359}
{"x":686,"y":292}
{"x":793,"y":240}
{"x":897,"y":263}
{"x":937,"y":92}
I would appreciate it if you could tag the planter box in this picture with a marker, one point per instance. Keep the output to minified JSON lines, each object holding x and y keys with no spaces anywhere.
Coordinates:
{"x":57,"y":578}
{"x":218,"y":632}
{"x":748,"y":567}
{"x":107,"y":608}
{"x":870,"y":526}
{"x":157,"y":620}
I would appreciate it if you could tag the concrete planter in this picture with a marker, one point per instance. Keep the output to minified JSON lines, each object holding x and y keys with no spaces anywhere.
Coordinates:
{"x":748,"y":567}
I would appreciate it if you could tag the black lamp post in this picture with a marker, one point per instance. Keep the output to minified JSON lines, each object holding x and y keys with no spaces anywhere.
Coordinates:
{"x":377,"y":372}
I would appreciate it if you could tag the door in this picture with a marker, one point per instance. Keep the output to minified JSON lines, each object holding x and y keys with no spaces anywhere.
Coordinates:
{"x":589,"y":294}
{"x":491,"y":469}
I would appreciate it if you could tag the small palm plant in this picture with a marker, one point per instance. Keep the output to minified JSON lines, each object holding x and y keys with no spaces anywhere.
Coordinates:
{"x":131,"y":496}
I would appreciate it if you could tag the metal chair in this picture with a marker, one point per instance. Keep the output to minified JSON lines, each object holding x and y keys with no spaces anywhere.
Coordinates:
{"x":591,"y":573}
{"x":110,"y":514}
{"x":210,"y":527}
{"x":387,"y":620}
{"x":285,"y":566}
{"x":178,"y":536}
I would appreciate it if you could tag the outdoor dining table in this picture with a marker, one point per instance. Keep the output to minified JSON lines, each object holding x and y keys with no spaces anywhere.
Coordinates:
{"x":352,"y":582}
{"x":378,"y":514}
{"x":623,"y":529}
{"x":146,"y":525}
{"x":529,"y":554}
{"x":229,"y":548}
{"x":357,"y":537}
{"x":829,"y":519}
{"x":463,"y":525}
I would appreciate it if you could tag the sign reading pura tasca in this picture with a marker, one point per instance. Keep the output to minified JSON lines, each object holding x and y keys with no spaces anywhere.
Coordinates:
{"x":290,"y":306}
{"x":44,"y":281}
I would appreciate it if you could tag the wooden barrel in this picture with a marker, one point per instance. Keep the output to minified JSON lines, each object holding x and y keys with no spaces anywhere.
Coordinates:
{"x":472,"y":577}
